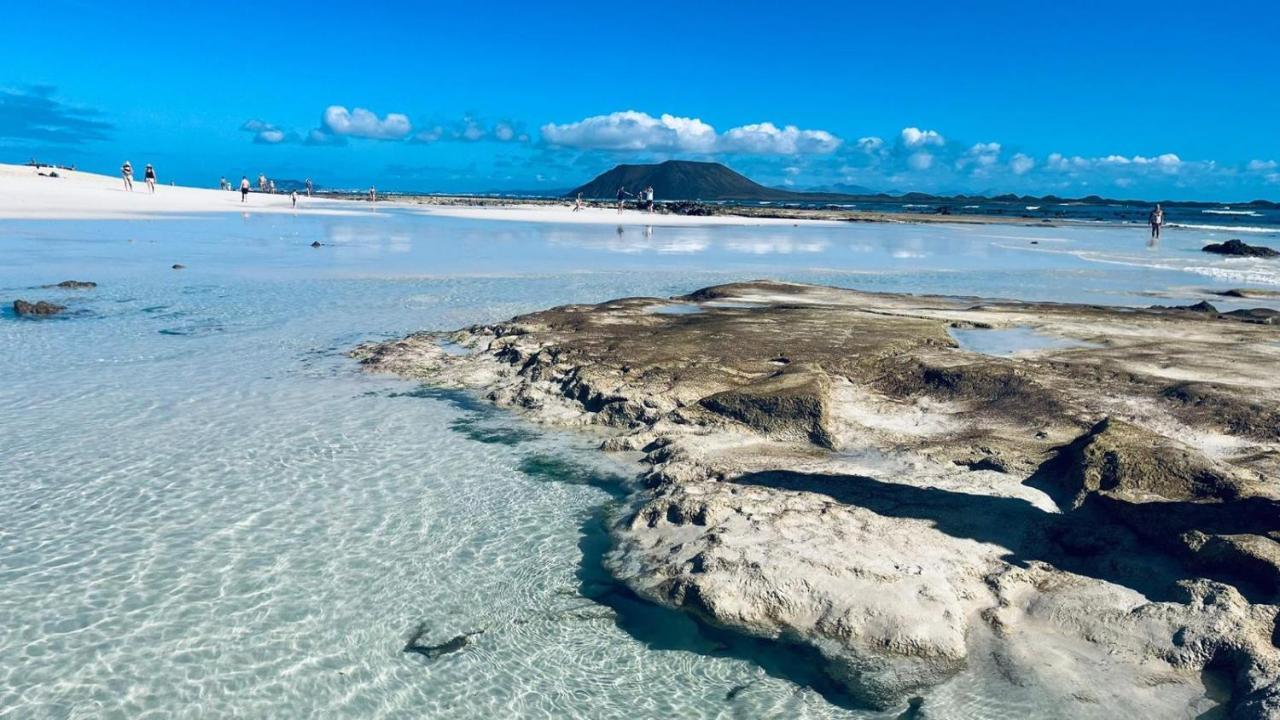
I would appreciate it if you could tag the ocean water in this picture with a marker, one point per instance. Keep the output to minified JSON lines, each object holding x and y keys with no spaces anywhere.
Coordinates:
{"x":207,"y":510}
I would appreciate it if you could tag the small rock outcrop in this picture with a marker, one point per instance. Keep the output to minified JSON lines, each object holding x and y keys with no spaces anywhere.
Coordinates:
{"x":41,"y":308}
{"x":74,"y":285}
{"x":1240,"y":249}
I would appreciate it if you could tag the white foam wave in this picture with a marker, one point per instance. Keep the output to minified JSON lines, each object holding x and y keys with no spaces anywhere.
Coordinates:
{"x":1227,"y":228}
{"x":1229,"y":211}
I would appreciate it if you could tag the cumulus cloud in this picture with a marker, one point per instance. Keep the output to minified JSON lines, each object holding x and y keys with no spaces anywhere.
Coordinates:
{"x":768,"y":139}
{"x":264,"y":133}
{"x":638,"y":131}
{"x":632,"y":130}
{"x":870,"y":145}
{"x":33,"y":113}
{"x":1020,"y":164}
{"x":920,"y":160}
{"x":320,"y":137}
{"x":362,"y":123}
{"x":915,"y":137}
{"x":1261,"y":165}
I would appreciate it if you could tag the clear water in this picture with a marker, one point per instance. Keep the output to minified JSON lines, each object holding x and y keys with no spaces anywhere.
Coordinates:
{"x":207,"y":510}
{"x":1006,"y":342}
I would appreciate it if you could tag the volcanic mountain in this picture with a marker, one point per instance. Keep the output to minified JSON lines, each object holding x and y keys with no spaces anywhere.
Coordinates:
{"x":687,"y":180}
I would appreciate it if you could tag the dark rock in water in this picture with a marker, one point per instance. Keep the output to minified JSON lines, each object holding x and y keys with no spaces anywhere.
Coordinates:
{"x":1236,"y":247}
{"x":316,"y":244}
{"x":36,"y":309}
{"x":432,"y":652}
{"x":1202,"y":306}
{"x":1265,"y":316}
{"x":74,"y":285}
{"x":178,"y":266}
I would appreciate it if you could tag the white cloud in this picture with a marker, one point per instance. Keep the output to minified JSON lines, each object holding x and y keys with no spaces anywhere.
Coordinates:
{"x":269,"y":136}
{"x":920,"y":161}
{"x":428,"y":135}
{"x":1260,"y":165}
{"x":870,"y":145}
{"x":915,"y":137}
{"x":504,"y":132}
{"x":632,"y":130}
{"x":984,"y":153}
{"x":363,"y":123}
{"x":768,"y":139}
{"x":1021,"y":164}
{"x":321,"y":137}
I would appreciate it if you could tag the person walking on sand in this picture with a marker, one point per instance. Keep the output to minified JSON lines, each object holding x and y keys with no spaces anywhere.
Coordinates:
{"x":126,"y":171}
{"x":244,"y":188}
{"x":149,"y":174}
{"x":223,"y":184}
{"x":622,"y":198}
{"x":648,"y":198}
{"x":294,"y":197}
{"x":262,"y":182}
{"x":577,"y":204}
{"x":373,"y":194}
{"x":308,"y":187}
{"x":1156,"y":220}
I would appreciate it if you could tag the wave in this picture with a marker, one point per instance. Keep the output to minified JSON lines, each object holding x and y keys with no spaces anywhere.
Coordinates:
{"x":1227,"y":228}
{"x":1033,"y":207}
{"x":1229,"y":211}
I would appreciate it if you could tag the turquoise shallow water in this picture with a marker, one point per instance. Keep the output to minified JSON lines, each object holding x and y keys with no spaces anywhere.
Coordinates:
{"x":207,"y":511}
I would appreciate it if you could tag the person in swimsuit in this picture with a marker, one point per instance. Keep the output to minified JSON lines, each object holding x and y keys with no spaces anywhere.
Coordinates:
{"x":1156,"y":219}
{"x":149,"y":174}
{"x":244,"y":188}
{"x":126,"y":171}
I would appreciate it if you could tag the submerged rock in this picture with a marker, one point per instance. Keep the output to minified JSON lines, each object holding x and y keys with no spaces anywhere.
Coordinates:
{"x":432,"y":652}
{"x":74,"y":285}
{"x":41,"y":308}
{"x":1242,"y":249}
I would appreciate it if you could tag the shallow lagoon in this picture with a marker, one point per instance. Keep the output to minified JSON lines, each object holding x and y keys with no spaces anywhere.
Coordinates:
{"x":207,"y":509}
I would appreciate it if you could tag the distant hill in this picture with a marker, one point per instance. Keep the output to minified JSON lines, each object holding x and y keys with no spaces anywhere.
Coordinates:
{"x":709,"y":181}
{"x":687,"y":180}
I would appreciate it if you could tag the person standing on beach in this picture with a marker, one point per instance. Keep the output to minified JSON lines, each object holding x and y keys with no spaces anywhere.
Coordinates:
{"x":308,"y":187}
{"x":577,"y":204}
{"x":223,"y":184}
{"x":294,"y":197}
{"x":244,"y":188}
{"x":149,"y":174}
{"x":622,"y":198}
{"x":262,"y":182}
{"x":126,"y":171}
{"x":648,"y":197}
{"x":1156,"y":219}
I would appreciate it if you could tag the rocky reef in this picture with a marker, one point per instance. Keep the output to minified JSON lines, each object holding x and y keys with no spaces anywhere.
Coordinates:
{"x":1097,"y":522}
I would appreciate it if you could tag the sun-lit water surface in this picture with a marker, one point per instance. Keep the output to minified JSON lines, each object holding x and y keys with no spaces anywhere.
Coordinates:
{"x":207,"y":510}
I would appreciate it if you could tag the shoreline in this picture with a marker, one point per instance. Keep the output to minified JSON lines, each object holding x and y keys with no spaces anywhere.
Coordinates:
{"x":78,"y":195}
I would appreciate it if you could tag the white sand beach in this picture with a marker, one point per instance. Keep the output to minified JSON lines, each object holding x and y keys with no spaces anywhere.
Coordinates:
{"x":75,"y":195}
{"x":26,"y":194}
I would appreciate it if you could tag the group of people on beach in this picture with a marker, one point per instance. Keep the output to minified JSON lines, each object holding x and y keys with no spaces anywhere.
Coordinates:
{"x":644,"y":198}
{"x":148,"y":174}
{"x":265,"y":185}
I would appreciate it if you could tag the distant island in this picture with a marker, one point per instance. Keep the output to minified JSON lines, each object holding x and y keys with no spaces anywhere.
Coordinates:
{"x":715,"y":182}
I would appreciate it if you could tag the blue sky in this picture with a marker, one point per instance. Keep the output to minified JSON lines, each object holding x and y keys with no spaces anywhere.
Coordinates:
{"x":1142,"y":99}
